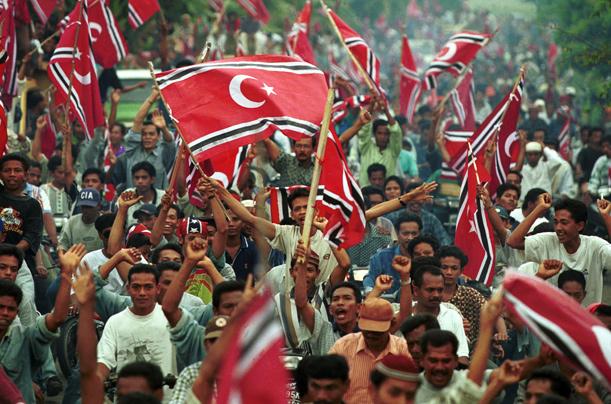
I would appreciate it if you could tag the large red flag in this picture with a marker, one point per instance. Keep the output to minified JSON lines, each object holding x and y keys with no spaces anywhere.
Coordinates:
{"x":85,"y":101}
{"x":109,"y":46}
{"x":410,"y":85}
{"x":279,"y":208}
{"x":463,"y":102}
{"x":297,"y":42}
{"x":473,"y":229}
{"x":3,"y":129}
{"x":455,"y":56}
{"x":359,"y":48}
{"x":574,"y":334}
{"x":255,"y":353}
{"x":256,"y":9}
{"x":8,"y":44}
{"x":219,"y":106}
{"x":341,"y":108}
{"x":43,"y":8}
{"x":139,"y":11}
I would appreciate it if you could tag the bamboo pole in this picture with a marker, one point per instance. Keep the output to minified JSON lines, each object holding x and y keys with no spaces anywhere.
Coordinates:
{"x":320,"y":155}
{"x":204,"y":55}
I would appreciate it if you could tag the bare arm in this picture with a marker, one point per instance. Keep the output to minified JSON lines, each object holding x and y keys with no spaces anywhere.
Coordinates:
{"x":273,"y":151}
{"x":157,"y":233}
{"x":115,"y":98}
{"x":403,"y":265}
{"x":518,"y":236}
{"x":479,"y":360}
{"x":419,"y":194}
{"x":305,"y":310}
{"x":604,"y":208}
{"x":123,"y":260}
{"x":522,"y":152}
{"x":497,"y":223}
{"x":49,"y":223}
{"x":363,"y":119}
{"x":343,"y":265}
{"x":41,"y":123}
{"x":144,"y":110}
{"x":441,"y":145}
{"x":115,"y":239}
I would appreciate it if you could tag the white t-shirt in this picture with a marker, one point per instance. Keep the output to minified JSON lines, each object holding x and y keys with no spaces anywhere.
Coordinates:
{"x":95,"y":259}
{"x":450,"y":319}
{"x":592,"y":256}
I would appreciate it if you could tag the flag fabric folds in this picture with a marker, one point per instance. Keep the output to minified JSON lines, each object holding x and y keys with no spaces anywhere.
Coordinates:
{"x":140,"y":11}
{"x":3,"y":129}
{"x":8,"y":50}
{"x":341,"y":108}
{"x":410,"y":84}
{"x":245,"y":100}
{"x":256,"y":9}
{"x":473,"y":229}
{"x":279,"y":201}
{"x":297,"y":42}
{"x":109,"y":45}
{"x":574,"y":334}
{"x":463,"y":102}
{"x":455,"y":56}
{"x":43,"y":8}
{"x":85,"y":101}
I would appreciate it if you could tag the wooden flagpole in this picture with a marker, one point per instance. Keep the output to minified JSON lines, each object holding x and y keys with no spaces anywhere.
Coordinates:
{"x":320,"y":154}
{"x":473,"y":160}
{"x":204,"y":55}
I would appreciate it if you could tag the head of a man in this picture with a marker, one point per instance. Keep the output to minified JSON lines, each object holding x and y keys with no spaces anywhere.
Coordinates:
{"x":534,"y":151}
{"x":596,"y":136}
{"x":394,"y":380}
{"x":439,"y":358}
{"x":235,"y":225}
{"x":530,"y":200}
{"x":546,"y":381}
{"x":304,"y":148}
{"x":10,"y":299}
{"x":312,"y":270}
{"x":423,"y":246}
{"x":140,"y":377}
{"x":226,"y":296}
{"x":573,"y":283}
{"x":57,"y":171}
{"x":117,"y":132}
{"x":103,"y":225}
{"x":167,"y":272}
{"x":89,"y":200}
{"x":346,"y":299}
{"x":408,"y":227}
{"x":143,"y":177}
{"x":149,"y":136}
{"x":375,"y":319}
{"x":507,"y":196}
{"x":602,"y":312}
{"x":34,"y":173}
{"x":11,"y":259}
{"x":13,"y":169}
{"x":373,"y":196}
{"x":169,"y":252}
{"x":93,"y":178}
{"x":515,"y":178}
{"x":143,"y":288}
{"x":427,"y":284}
{"x":453,"y":261}
{"x":570,"y":218}
{"x":139,"y":237}
{"x":191,"y":228}
{"x":381,"y":133}
{"x":214,"y":329}
{"x":376,"y":174}
{"x":171,"y":220}
{"x":298,"y":202}
{"x":414,"y":206}
{"x":393,"y":187}
{"x":146,"y":214}
{"x":413,"y":328}
{"x":327,"y":379}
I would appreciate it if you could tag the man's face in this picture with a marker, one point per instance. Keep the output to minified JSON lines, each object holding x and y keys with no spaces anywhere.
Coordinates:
{"x":565,"y":226}
{"x":539,"y":136}
{"x":298,"y":210}
{"x":392,"y":190}
{"x":134,"y":384}
{"x":344,"y":309}
{"x":375,"y":339}
{"x":9,"y":266}
{"x":169,"y":255}
{"x":93,"y":181}
{"x":423,"y":250}
{"x":13,"y":175}
{"x":394,"y":391}
{"x":407,"y":232}
{"x":327,"y":391}
{"x":382,"y":135}
{"x":165,"y":279}
{"x":311,"y":274}
{"x":34,"y":174}
{"x":429,"y":294}
{"x":171,"y":221}
{"x":451,"y":268}
{"x":8,"y":311}
{"x":414,"y":207}
{"x":228,"y":302}
{"x":595,"y":137}
{"x":116,"y":135}
{"x":235,"y":225}
{"x":413,"y":343}
{"x":575,"y":290}
{"x":59,"y":175}
{"x":303,"y":150}
{"x":142,"y":181}
{"x":439,"y":364}
{"x":143,"y":291}
{"x":377,"y":179}
{"x":513,"y":178}
{"x":375,"y":199}
{"x":532,"y":158}
{"x":90,"y":213}
{"x":150,"y":137}
{"x":509,"y":200}
{"x":537,"y":388}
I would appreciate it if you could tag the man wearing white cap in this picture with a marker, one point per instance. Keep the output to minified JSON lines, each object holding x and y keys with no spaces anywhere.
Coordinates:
{"x":542,"y":162}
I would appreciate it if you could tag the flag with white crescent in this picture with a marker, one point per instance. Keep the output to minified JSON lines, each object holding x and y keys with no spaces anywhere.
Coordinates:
{"x":8,"y":52}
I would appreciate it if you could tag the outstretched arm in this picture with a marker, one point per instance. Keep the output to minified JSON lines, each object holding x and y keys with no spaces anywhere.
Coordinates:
{"x":144,"y":110}
{"x":422,"y":193}
{"x":115,"y":239}
{"x":363,"y":119}
{"x":518,"y":236}
{"x":305,"y":310}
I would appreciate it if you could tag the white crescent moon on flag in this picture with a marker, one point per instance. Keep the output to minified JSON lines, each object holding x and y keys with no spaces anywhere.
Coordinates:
{"x":238,"y":96}
{"x":84,"y":80}
{"x":451,"y":51}
{"x":512,"y":138}
{"x":94,"y":26}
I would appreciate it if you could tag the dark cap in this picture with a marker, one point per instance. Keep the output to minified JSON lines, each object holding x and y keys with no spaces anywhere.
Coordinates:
{"x":144,"y":209}
{"x":88,"y":197}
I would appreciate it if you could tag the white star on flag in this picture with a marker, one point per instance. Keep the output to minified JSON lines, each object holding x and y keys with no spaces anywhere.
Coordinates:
{"x":269,"y":90}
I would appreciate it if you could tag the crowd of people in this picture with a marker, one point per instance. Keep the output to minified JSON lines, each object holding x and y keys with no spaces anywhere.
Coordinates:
{"x":115,"y":285}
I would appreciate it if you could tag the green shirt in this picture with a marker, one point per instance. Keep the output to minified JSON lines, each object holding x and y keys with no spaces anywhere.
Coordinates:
{"x":76,"y":231}
{"x":291,"y":172}
{"x":370,"y":153}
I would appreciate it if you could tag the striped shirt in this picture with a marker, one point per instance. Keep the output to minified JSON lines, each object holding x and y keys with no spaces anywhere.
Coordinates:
{"x":362,"y":361}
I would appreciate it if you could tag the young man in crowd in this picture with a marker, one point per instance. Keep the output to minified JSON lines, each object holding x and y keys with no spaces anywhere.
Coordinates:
{"x":328,"y":379}
{"x":413,"y":329}
{"x":394,"y":380}
{"x":81,"y":228}
{"x":293,"y":170}
{"x":143,"y":177}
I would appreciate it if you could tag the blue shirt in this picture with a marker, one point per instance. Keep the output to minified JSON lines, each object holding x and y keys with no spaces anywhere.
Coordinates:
{"x":381,"y":264}
{"x":245,"y":259}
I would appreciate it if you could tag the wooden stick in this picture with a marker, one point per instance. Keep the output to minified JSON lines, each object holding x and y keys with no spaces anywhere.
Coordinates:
{"x":320,"y":155}
{"x":205,"y":53}
{"x":473,"y":162}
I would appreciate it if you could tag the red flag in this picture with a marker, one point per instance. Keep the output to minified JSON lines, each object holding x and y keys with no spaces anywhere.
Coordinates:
{"x":473,"y":229}
{"x":359,"y":48}
{"x":574,"y":334}
{"x":254,"y":351}
{"x":219,"y":106}
{"x":109,"y":46}
{"x":139,"y":11}
{"x":563,"y":137}
{"x":8,"y":46}
{"x":410,"y":86}
{"x":279,"y":208}
{"x":256,"y":9}
{"x":455,"y":56}
{"x":217,"y":5}
{"x":240,"y":50}
{"x":3,"y":129}
{"x":463,"y":102}
{"x":48,"y":137}
{"x":341,"y":108}
{"x":552,"y":56}
{"x":298,"y":42}
{"x":85,"y":101}
{"x":43,"y":8}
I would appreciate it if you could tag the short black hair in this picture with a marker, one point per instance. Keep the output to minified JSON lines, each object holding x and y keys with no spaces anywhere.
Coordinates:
{"x":395,"y":179}
{"x":121,"y":127}
{"x":312,"y":138}
{"x":568,"y":276}
{"x":148,"y":370}
{"x":559,"y":383}
{"x":300,"y":375}
{"x":413,"y":185}
{"x":531,"y":197}
{"x":53,"y":163}
{"x":423,"y":238}
{"x":376,"y":167}
{"x":377,"y":123}
{"x":372,"y":190}
{"x":167,"y":266}
{"x":11,"y":249}
{"x":507,"y":187}
{"x":453,"y":251}
{"x":408,"y":217}
{"x":174,"y":206}
{"x":427,"y":320}
{"x":33,"y":98}
{"x":104,"y":221}
{"x":8,"y":288}
{"x":148,"y":122}
{"x":138,"y":240}
{"x":418,"y":276}
{"x":437,"y":339}
{"x":298,"y":193}
{"x":358,"y":296}
{"x":328,"y":367}
{"x":552,"y":399}
{"x":577,"y":209}
{"x":419,"y":262}
{"x":167,"y":246}
{"x":143,"y":269}
{"x":603,"y":310}
{"x":137,"y":397}
{"x":225,"y":287}
{"x":34,"y":164}
{"x":15,"y":157}
{"x":516,"y":172}
{"x":146,"y":166}
{"x":93,"y":170}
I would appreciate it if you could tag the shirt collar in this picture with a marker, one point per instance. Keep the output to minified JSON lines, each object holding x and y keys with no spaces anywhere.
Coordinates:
{"x":390,"y":347}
